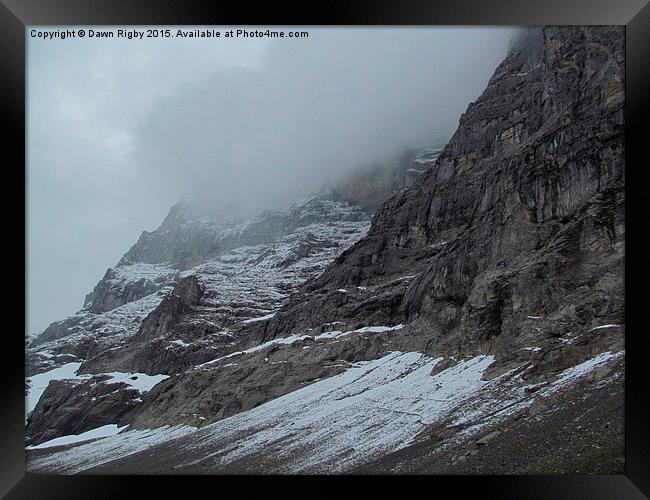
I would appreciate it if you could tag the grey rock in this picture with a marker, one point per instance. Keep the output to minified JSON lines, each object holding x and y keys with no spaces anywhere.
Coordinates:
{"x":161,"y":320}
{"x":511,"y":243}
{"x":522,"y":214}
{"x":71,"y":407}
{"x":108,"y":295}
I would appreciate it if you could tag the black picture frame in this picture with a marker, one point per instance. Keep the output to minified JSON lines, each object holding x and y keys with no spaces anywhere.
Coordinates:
{"x":15,"y":15}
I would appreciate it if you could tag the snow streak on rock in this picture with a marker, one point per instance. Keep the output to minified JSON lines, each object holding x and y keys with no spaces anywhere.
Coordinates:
{"x":99,"y":432}
{"x":296,"y":338}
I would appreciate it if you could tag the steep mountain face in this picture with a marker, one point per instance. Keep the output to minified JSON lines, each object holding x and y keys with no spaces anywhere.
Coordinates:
{"x":485,"y":302}
{"x":522,"y":214}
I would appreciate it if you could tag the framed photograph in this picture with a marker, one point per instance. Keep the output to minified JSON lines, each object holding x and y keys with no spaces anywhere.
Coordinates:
{"x":366,"y":242}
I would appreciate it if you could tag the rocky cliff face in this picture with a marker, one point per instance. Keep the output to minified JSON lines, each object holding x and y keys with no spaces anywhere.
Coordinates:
{"x":116,"y":289}
{"x":522,"y":214}
{"x":180,"y":302}
{"x":485,"y":301}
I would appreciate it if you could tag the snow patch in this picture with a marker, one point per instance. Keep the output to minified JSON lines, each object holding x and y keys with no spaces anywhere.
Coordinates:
{"x":605,"y":326}
{"x":295,"y":338}
{"x":138,"y":381}
{"x":571,"y":375}
{"x":99,"y":432}
{"x":85,"y":456}
{"x":38,"y":383}
{"x":332,"y":425}
{"x":372,"y":408}
{"x":378,"y":329}
{"x":261,"y":318}
{"x":178,"y":342}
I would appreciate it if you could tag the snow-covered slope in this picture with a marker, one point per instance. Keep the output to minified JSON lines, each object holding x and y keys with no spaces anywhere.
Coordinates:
{"x":338,"y":424}
{"x":260,"y":262}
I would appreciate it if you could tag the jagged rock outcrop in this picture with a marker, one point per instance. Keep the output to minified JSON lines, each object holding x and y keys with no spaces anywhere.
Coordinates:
{"x":57,"y":330}
{"x":70,"y":408}
{"x":114,"y":291}
{"x":163,"y":318}
{"x":182,"y":240}
{"x":188,"y":237}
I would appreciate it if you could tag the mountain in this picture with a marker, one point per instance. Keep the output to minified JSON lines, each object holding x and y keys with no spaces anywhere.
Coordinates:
{"x":476,"y":324}
{"x":151,"y":316}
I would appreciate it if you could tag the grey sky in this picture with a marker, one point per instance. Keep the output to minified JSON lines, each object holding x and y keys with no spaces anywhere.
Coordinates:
{"x":119,"y":130}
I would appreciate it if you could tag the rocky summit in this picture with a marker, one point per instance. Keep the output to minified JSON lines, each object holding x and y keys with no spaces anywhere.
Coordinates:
{"x":471,"y":322}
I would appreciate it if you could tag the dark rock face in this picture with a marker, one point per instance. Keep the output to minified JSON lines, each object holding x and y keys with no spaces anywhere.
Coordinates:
{"x":70,"y":407}
{"x":161,"y":320}
{"x":522,"y":214}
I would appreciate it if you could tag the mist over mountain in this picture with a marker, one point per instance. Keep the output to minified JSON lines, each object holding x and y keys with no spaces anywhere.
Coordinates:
{"x":442,"y":303}
{"x":120,"y":130}
{"x":314,"y":111}
{"x":455,"y":308}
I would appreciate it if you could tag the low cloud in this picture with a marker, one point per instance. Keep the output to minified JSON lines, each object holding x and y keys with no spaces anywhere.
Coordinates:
{"x":119,"y":130}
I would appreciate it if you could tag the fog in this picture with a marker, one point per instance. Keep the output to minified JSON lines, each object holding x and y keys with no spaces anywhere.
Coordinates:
{"x":119,"y":130}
